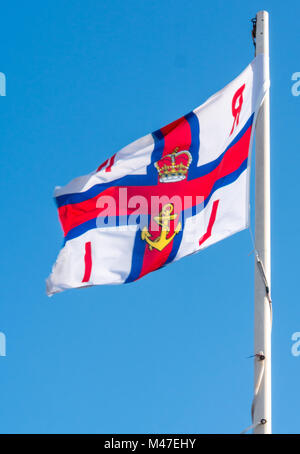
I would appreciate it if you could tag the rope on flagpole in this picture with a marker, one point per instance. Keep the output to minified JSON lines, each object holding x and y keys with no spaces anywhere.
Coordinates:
{"x":259,"y":356}
{"x":263,"y":274}
{"x":263,"y":421}
{"x":254,"y":31}
{"x":261,"y":359}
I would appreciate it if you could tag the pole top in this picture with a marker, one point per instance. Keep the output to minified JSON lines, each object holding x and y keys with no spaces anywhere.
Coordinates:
{"x":262,"y":12}
{"x":262,"y":15}
{"x":260,"y":33}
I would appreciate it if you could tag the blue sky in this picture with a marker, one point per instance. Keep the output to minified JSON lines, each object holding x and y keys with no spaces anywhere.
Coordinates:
{"x":83,"y":80}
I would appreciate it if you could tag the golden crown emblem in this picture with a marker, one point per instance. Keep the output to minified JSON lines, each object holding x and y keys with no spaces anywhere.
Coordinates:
{"x":174,"y":167}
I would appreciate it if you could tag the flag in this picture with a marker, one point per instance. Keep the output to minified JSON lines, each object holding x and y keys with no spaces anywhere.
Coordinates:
{"x":164,"y":196}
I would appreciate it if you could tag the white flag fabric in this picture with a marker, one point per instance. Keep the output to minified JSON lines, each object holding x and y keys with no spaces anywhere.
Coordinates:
{"x":164,"y":196}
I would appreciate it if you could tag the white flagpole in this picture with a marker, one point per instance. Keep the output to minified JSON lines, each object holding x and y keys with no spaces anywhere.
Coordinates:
{"x":261,"y":409}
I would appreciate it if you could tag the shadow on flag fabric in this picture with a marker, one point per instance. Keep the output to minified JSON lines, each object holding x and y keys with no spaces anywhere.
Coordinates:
{"x":164,"y":196}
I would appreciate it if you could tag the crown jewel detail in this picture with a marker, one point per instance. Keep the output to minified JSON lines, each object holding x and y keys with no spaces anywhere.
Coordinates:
{"x":174,"y":167}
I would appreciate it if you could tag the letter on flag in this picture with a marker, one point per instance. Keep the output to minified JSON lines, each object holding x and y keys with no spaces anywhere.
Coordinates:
{"x":164,"y":196}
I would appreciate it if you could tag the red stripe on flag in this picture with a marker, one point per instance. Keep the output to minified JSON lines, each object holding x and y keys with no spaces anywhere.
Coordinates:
{"x":211,"y":222}
{"x":176,"y":135}
{"x":87,"y":262}
{"x":111,"y":163}
{"x":154,"y":259}
{"x":102,"y":165}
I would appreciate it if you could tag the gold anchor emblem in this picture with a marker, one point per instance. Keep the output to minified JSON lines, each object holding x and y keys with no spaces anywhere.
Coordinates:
{"x":163,"y":219}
